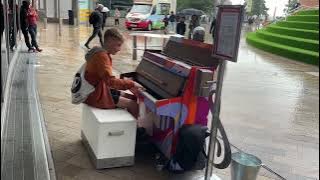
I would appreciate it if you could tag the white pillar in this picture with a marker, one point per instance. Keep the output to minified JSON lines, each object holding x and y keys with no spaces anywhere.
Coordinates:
{"x":59,"y":17}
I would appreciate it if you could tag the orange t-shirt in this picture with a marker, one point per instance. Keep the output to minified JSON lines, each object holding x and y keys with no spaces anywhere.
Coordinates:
{"x":99,"y":74}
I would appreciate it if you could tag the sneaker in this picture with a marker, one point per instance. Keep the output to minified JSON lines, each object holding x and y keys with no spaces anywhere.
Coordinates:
{"x":31,"y":50}
{"x":39,"y":50}
{"x":87,"y":46}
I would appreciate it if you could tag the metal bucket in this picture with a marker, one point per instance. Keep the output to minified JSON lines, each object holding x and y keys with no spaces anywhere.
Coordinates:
{"x":244,"y":166}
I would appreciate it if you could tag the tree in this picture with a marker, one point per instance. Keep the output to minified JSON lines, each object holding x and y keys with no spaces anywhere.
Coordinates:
{"x":259,"y":8}
{"x":291,"y":5}
{"x":204,"y":5}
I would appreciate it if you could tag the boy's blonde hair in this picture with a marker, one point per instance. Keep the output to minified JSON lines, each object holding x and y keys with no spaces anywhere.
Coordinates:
{"x":113,"y":33}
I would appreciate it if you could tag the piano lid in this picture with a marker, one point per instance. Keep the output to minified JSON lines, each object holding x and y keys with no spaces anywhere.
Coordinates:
{"x":191,"y":52}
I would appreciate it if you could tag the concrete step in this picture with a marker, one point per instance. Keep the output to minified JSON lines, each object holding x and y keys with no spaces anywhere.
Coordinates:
{"x":299,"y":25}
{"x":302,"y":55}
{"x":304,"y":18}
{"x":299,"y":33}
{"x":291,"y":41}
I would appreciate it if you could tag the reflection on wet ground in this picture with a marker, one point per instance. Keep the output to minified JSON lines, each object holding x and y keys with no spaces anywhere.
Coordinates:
{"x":270,"y":109}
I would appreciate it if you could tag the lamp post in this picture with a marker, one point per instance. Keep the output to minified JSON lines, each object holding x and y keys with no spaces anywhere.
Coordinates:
{"x":45,"y":19}
{"x":59,"y":17}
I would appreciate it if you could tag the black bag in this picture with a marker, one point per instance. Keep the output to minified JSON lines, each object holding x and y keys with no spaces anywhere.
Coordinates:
{"x":190,"y":153}
{"x":190,"y":146}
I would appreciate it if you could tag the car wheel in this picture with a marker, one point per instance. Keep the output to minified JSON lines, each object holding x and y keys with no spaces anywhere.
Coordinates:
{"x":129,"y":28}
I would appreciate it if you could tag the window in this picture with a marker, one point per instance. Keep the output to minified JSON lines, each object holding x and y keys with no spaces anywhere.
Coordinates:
{"x":141,"y":8}
{"x":163,"y":9}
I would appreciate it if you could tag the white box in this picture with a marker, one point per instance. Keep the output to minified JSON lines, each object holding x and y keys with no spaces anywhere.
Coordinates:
{"x":110,"y":136}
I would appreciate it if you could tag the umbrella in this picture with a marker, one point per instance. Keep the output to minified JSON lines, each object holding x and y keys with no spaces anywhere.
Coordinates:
{"x":192,"y":11}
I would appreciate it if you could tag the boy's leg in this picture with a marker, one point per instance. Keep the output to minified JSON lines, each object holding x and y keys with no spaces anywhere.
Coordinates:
{"x":130,"y":105}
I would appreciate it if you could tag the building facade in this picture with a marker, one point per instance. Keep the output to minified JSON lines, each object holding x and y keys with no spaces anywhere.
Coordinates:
{"x":310,"y":3}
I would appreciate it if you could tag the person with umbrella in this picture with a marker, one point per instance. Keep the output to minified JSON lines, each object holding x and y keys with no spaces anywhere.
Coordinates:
{"x":193,"y":24}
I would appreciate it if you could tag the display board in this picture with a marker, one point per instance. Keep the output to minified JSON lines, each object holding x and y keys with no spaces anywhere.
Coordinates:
{"x":227,"y":32}
{"x":84,"y":11}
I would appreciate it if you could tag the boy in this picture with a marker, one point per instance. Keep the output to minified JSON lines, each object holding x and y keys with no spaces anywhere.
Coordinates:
{"x":99,"y":74}
{"x":181,"y":27}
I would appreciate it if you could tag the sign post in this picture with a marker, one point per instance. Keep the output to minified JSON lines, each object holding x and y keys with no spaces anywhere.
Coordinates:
{"x":226,"y":45}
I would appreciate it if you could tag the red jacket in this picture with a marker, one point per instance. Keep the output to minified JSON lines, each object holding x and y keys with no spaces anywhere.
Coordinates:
{"x":32,"y":17}
{"x":99,"y":74}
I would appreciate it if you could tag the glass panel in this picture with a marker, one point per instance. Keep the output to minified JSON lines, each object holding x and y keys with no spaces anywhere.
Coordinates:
{"x":4,"y":55}
{"x":163,"y":9}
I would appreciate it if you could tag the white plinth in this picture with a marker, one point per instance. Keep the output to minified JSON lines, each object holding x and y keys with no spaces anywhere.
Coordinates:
{"x":110,"y":136}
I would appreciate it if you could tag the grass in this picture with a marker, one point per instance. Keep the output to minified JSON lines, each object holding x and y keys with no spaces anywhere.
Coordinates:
{"x":302,"y":55}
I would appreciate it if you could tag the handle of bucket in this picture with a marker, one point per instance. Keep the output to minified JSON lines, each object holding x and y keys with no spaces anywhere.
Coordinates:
{"x":270,"y":170}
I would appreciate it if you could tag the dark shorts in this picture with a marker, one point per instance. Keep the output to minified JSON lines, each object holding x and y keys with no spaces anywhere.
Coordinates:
{"x":115,"y":95}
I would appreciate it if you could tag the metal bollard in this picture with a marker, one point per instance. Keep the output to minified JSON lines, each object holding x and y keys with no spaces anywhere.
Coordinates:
{"x":135,"y":54}
{"x":45,"y":22}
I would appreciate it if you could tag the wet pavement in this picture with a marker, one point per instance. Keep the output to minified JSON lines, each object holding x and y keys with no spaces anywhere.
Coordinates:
{"x":270,"y":108}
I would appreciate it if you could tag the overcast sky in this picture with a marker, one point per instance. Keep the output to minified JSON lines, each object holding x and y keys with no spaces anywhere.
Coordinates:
{"x":271,"y":4}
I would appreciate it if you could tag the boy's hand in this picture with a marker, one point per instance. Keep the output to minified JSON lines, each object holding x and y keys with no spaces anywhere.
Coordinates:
{"x":138,"y":86}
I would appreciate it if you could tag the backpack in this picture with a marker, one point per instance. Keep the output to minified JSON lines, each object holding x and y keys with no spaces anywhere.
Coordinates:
{"x":189,"y":148}
{"x":190,"y":153}
{"x":92,"y":18}
{"x":80,"y":89}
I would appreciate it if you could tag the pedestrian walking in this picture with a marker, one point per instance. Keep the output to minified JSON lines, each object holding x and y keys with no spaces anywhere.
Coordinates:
{"x":166,"y":23}
{"x":96,"y":20}
{"x":193,"y":24}
{"x":117,"y":15}
{"x":105,"y":11}
{"x":24,"y":24}
{"x":172,"y":21}
{"x":12,"y":25}
{"x":213,"y":27}
{"x":181,"y":27}
{"x":33,"y":18}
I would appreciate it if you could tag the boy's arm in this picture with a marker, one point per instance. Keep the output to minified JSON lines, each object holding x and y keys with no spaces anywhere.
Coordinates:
{"x":104,"y":69}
